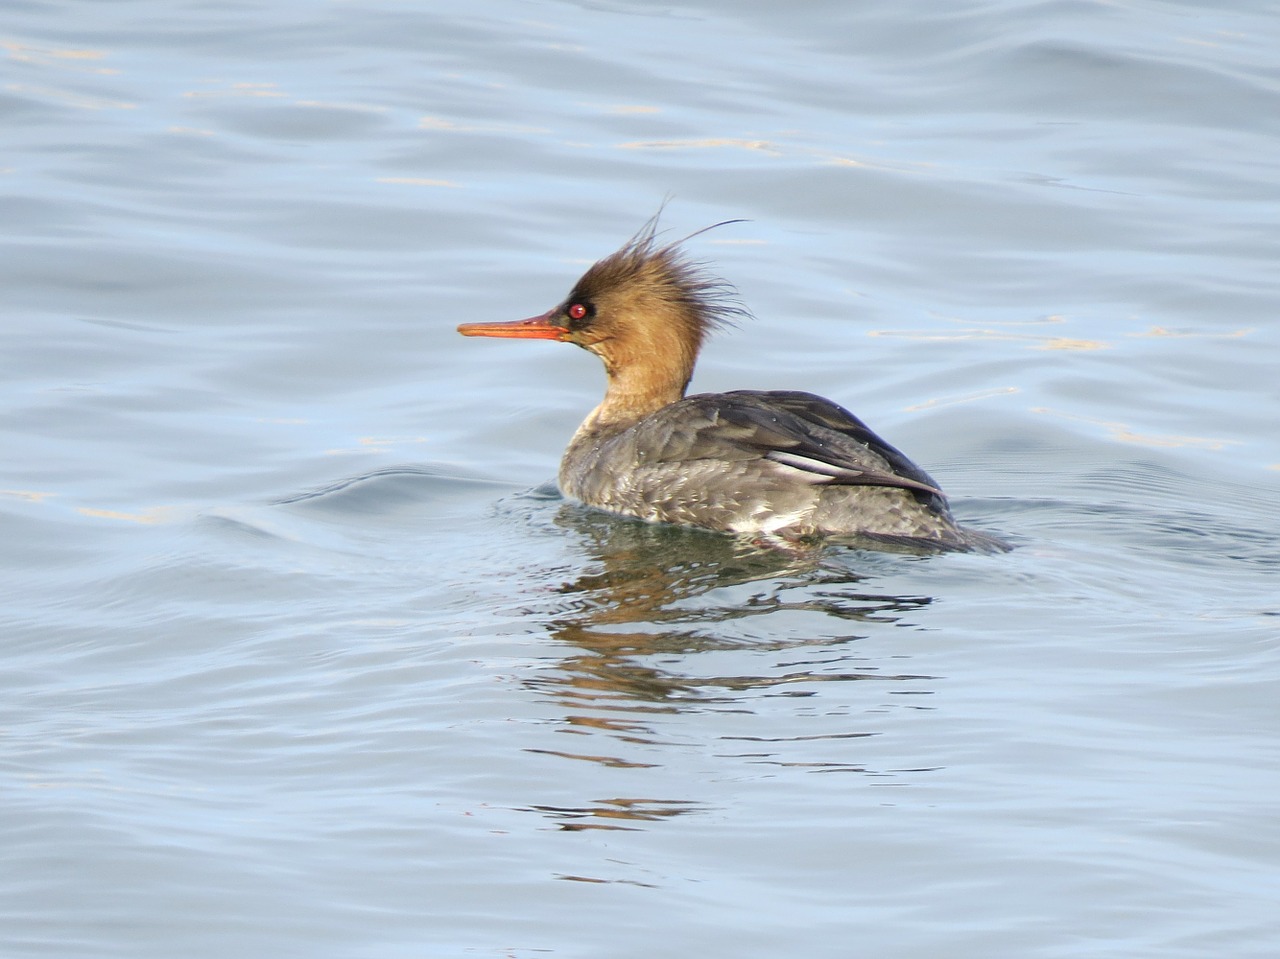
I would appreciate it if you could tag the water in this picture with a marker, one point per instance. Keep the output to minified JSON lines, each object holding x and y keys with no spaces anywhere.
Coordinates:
{"x":302,"y":653}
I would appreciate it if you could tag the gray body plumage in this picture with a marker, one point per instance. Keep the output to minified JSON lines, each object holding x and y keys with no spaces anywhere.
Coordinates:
{"x":784,"y":463}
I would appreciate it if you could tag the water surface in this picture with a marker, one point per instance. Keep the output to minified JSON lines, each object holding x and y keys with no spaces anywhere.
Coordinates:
{"x":304,"y":655}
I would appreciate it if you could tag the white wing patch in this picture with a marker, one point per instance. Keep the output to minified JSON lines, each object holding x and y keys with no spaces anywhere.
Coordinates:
{"x":815,"y":468}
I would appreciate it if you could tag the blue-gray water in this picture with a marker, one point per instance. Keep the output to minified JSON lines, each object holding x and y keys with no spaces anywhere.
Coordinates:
{"x":300,"y":654}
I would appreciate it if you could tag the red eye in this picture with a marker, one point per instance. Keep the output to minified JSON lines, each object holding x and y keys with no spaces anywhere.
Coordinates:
{"x":577,"y":311}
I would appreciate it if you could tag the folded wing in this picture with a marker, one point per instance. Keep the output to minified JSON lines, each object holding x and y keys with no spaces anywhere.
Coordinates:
{"x":824,"y":442}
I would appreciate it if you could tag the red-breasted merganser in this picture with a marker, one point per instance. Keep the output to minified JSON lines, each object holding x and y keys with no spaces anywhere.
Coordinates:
{"x":785,"y":464}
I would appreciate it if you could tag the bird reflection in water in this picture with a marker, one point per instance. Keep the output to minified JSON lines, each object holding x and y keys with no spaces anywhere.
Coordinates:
{"x":657,"y":605}
{"x":685,"y":591}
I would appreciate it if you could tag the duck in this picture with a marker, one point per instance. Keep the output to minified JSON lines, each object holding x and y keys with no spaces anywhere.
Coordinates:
{"x":776,"y":465}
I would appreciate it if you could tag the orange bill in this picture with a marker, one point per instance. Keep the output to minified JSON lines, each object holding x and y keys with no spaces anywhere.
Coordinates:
{"x":534,"y":328}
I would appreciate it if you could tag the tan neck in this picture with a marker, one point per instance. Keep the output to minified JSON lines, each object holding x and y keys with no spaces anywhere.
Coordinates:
{"x":637,"y":389}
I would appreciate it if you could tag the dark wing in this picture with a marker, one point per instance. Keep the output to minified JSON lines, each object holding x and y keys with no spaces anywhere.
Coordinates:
{"x":825,"y":415}
{"x":798,"y":430}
